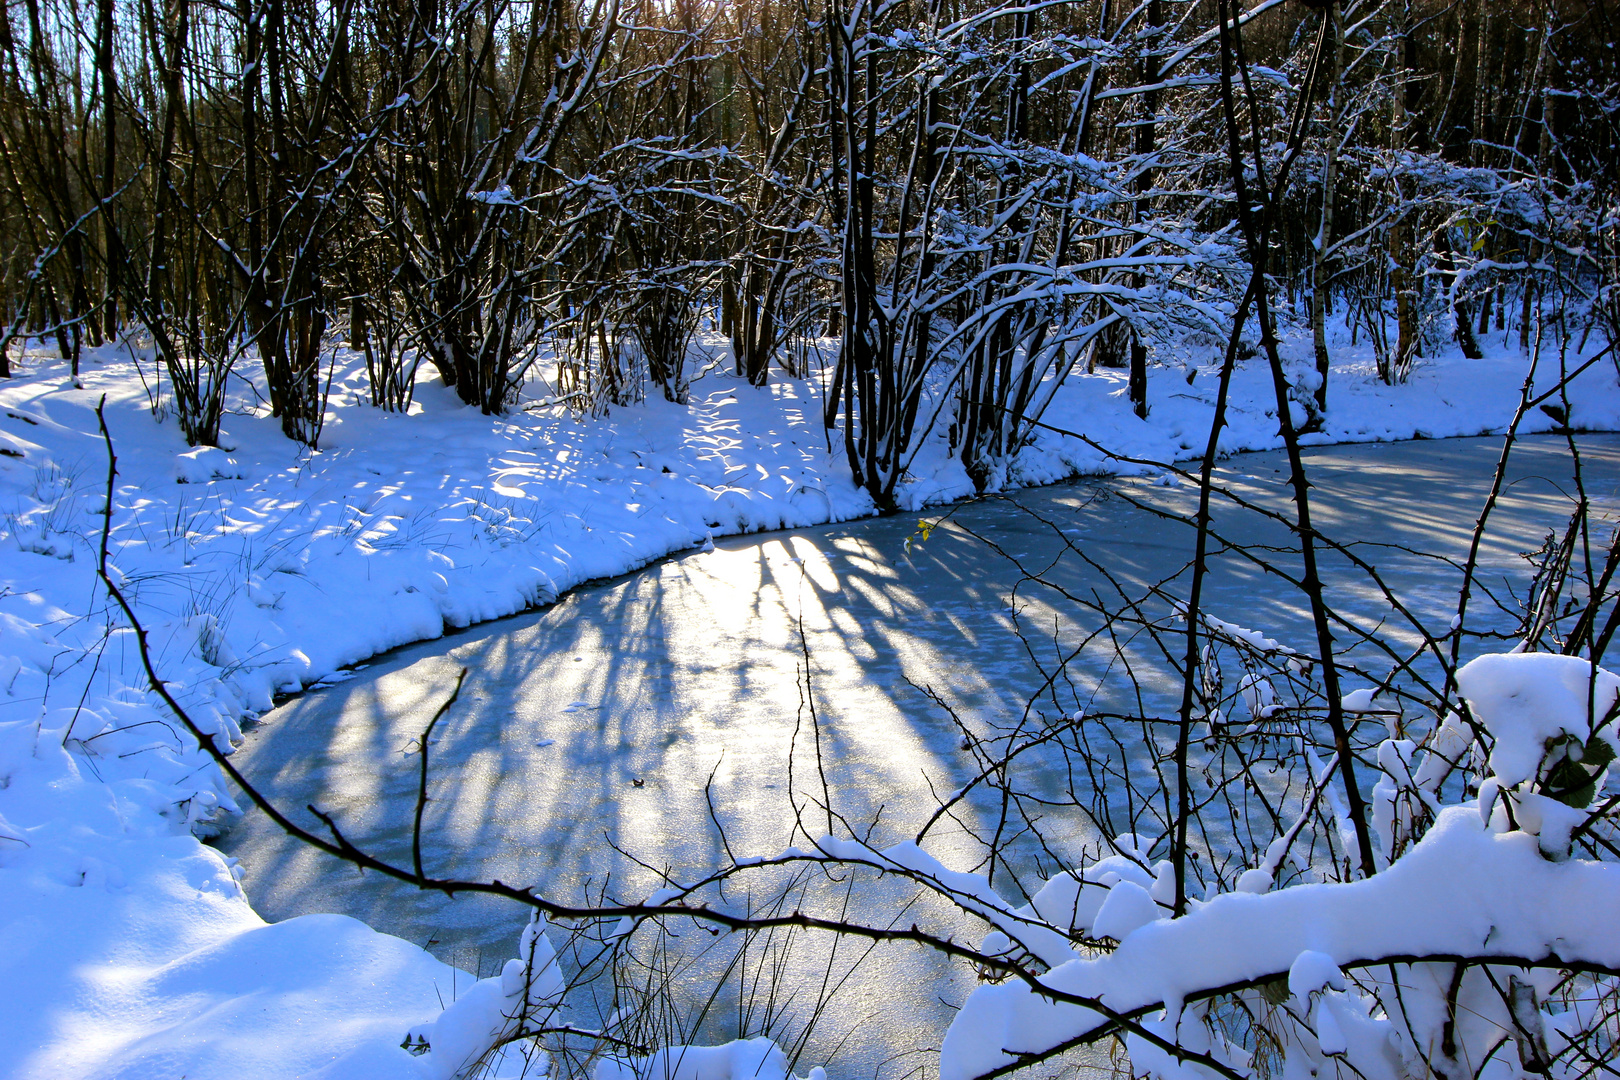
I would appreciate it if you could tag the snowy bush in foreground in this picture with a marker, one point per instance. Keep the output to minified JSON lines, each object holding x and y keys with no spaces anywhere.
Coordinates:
{"x":744,"y":1059}
{"x":475,"y":1032}
{"x":1485,"y":950}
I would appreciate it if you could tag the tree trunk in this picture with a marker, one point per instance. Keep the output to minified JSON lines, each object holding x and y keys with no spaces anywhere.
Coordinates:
{"x":1400,"y":236}
{"x":1146,"y":144}
{"x":1319,"y":269}
{"x":112,"y":249}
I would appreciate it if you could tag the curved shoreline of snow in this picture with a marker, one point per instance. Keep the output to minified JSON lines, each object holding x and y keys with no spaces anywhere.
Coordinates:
{"x":261,"y":568}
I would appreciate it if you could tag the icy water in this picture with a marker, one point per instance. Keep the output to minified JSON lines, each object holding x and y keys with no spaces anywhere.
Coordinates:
{"x":601,"y":720}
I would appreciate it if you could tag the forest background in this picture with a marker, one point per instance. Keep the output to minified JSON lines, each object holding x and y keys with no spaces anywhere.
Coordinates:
{"x":971,"y":199}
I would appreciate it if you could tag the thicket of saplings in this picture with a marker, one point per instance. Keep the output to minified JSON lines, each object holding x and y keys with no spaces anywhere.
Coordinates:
{"x":970,"y":198}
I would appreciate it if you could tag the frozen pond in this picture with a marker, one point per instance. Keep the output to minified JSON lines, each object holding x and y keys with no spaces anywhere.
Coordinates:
{"x":602,"y":717}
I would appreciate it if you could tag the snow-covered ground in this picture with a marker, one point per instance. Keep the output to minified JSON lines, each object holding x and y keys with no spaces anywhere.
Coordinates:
{"x":128,"y":947}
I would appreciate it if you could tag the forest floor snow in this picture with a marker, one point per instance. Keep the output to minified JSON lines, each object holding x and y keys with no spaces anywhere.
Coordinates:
{"x":129,"y":948}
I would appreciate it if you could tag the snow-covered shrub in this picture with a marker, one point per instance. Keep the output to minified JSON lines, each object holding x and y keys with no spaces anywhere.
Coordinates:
{"x":1484,"y":950}
{"x":742,"y":1059}
{"x":491,"y":1029}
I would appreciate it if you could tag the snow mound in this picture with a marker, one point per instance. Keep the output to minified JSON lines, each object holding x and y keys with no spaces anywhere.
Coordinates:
{"x":205,"y":463}
{"x":1527,"y":700}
